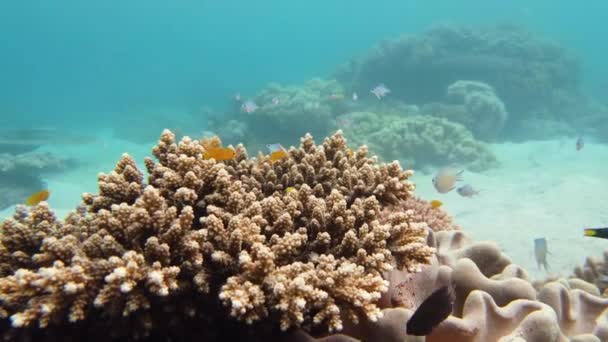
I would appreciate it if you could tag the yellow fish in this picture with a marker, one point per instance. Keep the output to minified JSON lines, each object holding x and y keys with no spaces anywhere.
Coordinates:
{"x":37,"y":197}
{"x":278,"y":155}
{"x":290,"y":189}
{"x":436,"y":204}
{"x":219,"y":153}
{"x":277,"y":152}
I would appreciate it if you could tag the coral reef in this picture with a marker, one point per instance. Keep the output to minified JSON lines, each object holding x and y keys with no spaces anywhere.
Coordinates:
{"x":595,"y":271}
{"x":529,"y":74}
{"x":420,"y":141}
{"x":20,"y":174}
{"x":310,"y":107}
{"x":494,"y":301}
{"x":487,"y":113}
{"x":422,"y":211}
{"x":206,"y":244}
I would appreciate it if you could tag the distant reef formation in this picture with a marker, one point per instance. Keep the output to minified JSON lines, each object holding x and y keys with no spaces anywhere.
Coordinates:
{"x":453,"y":90}
{"x":23,"y":165}
{"x":419,"y":141}
{"x":324,"y":244}
{"x":419,"y":138}
{"x":21,"y":174}
{"x":535,"y":78}
{"x":283,"y":113}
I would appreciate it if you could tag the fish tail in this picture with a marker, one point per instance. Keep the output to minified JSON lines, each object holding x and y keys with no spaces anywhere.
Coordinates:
{"x":459,"y":175}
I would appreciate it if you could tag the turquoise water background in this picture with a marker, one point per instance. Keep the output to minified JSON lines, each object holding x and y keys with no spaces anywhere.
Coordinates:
{"x":71,"y":63}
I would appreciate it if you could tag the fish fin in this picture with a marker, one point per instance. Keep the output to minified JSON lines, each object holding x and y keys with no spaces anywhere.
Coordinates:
{"x":431,"y":312}
{"x":459,"y":175}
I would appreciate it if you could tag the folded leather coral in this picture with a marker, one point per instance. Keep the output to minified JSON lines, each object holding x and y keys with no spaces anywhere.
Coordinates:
{"x":202,"y":239}
{"x":495,"y":301}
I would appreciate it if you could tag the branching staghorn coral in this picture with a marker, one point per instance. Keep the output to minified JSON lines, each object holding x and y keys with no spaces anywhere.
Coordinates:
{"x":145,"y":256}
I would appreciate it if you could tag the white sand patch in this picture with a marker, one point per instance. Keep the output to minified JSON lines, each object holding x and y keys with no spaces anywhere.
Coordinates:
{"x":542,"y":189}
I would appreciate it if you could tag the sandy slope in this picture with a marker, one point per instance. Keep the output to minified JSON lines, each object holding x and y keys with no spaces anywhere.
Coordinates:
{"x":542,"y":189}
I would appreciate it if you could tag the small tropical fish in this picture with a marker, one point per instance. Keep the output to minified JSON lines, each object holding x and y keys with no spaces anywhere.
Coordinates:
{"x":540,"y":251}
{"x":278,"y":155}
{"x":467,"y":191}
{"x":436,"y":204}
{"x":290,"y":189}
{"x":355,"y":97}
{"x":37,"y":197}
{"x":336,"y":97}
{"x":275,"y":101}
{"x":249,"y":107}
{"x":380,"y":91}
{"x":446,"y":178}
{"x":580,"y":143}
{"x":219,"y":153}
{"x":277,"y":152}
{"x":434,"y":310}
{"x":597,"y":232}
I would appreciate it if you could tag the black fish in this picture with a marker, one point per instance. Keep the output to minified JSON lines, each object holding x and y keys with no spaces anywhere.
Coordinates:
{"x":597,"y":232}
{"x":435,"y":308}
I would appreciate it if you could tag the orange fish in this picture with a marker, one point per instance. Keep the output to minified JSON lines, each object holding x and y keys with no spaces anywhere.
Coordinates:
{"x":37,"y":197}
{"x":219,"y":153}
{"x":436,"y":204}
{"x":277,"y":152}
{"x":278,"y":155}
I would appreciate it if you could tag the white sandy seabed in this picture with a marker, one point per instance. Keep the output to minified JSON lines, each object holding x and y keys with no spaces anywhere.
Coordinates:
{"x":541,"y":189}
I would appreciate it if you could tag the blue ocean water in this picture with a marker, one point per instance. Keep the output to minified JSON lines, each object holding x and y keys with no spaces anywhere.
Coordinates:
{"x":67,"y":61}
